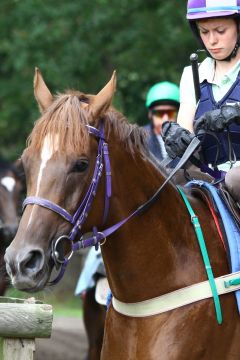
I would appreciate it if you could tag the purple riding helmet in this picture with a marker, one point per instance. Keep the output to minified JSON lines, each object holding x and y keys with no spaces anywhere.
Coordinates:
{"x":202,"y":9}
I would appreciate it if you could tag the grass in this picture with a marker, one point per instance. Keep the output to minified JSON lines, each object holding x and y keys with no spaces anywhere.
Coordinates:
{"x":69,"y":306}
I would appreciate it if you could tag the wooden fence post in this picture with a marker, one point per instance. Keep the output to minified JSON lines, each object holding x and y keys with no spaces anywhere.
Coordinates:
{"x":21,"y":321}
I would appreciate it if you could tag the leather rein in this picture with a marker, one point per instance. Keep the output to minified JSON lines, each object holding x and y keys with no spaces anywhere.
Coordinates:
{"x":77,"y":220}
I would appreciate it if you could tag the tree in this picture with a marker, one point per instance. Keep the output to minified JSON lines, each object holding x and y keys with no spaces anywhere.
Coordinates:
{"x":78,"y":44}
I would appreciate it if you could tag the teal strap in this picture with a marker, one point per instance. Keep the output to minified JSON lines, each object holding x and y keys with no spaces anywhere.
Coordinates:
{"x":201,"y":241}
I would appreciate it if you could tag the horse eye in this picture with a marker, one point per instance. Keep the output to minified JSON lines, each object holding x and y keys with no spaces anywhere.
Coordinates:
{"x":80,"y":166}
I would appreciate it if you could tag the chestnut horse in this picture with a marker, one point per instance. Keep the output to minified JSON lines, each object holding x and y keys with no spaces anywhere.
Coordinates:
{"x":151,"y":253}
{"x":10,"y":189}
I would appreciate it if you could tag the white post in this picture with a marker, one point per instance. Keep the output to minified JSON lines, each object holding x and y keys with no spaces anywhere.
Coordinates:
{"x":18,"y":349}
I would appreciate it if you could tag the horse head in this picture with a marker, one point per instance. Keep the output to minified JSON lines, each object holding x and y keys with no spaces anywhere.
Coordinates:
{"x":58,"y":163}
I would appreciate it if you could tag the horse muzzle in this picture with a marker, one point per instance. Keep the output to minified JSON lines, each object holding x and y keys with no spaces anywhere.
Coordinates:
{"x":26,"y":268}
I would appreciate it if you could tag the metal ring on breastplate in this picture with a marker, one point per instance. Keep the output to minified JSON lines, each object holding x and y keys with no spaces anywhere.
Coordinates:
{"x":104,"y":239}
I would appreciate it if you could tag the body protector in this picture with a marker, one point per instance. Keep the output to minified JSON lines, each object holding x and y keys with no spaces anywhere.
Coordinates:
{"x":224,"y":142}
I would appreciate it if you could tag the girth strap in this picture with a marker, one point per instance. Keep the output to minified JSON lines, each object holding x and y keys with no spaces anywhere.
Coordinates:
{"x":175,"y":299}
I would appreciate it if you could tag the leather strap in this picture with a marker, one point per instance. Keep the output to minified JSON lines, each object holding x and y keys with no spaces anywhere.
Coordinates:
{"x":192,"y":147}
{"x":206,"y":261}
{"x":99,"y":236}
{"x":231,"y":204}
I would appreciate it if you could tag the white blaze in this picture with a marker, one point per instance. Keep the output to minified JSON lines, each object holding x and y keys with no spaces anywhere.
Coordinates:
{"x":8,"y":182}
{"x":47,"y":152}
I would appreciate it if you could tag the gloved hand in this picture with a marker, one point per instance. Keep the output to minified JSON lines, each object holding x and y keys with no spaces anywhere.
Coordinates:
{"x":219,"y":119}
{"x":176,"y":138}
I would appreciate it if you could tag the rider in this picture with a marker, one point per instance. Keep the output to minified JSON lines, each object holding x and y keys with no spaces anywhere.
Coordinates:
{"x":216,"y":24}
{"x":162,"y":102}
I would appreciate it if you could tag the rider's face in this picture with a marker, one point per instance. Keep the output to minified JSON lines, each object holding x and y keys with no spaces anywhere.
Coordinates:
{"x":219,"y":36}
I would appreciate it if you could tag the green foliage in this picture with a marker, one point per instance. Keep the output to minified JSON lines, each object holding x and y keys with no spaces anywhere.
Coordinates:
{"x":78,"y":44}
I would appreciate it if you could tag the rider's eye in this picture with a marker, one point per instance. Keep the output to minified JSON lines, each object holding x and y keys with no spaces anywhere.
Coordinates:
{"x":80,"y":166}
{"x":203,"y":32}
{"x":221,"y":31}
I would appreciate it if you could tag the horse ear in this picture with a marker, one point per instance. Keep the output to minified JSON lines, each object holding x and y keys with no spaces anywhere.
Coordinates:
{"x":102,"y":101}
{"x":41,"y":91}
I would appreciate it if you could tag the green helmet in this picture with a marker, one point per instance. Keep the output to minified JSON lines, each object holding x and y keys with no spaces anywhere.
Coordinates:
{"x":163,"y":93}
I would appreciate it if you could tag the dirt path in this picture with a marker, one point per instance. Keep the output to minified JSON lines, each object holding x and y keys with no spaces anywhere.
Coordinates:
{"x":68,"y":341}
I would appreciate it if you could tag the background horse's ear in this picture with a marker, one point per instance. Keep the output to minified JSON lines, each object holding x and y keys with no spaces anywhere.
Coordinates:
{"x":101,"y":102}
{"x":41,"y":91}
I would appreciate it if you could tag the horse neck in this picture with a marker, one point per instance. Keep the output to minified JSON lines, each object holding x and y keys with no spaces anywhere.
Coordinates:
{"x":140,"y":256}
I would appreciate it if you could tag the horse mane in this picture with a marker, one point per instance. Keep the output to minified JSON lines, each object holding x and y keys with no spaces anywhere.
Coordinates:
{"x":67,"y":118}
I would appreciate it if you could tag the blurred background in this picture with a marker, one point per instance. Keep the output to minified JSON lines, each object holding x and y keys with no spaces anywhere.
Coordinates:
{"x":77,"y":45}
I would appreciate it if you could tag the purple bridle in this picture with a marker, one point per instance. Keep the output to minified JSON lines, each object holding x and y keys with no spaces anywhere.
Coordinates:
{"x":80,"y":216}
{"x":96,"y":237}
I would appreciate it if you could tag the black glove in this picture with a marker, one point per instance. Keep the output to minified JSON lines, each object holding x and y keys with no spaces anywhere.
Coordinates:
{"x":176,"y":138}
{"x":219,"y":119}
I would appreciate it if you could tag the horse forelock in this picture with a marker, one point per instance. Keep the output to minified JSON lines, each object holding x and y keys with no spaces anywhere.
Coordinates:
{"x":67,"y":119}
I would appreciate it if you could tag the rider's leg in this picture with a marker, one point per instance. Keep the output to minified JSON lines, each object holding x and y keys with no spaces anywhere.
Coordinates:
{"x":232,"y":181}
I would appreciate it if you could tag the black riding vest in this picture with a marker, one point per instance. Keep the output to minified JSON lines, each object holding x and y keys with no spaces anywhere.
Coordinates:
{"x":210,"y":145}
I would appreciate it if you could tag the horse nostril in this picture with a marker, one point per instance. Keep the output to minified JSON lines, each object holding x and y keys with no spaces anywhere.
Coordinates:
{"x":33,"y":262}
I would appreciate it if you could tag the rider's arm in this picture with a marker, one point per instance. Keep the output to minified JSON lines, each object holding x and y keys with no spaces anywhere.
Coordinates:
{"x":187,"y":100}
{"x":186,"y":115}
{"x":177,"y":136}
